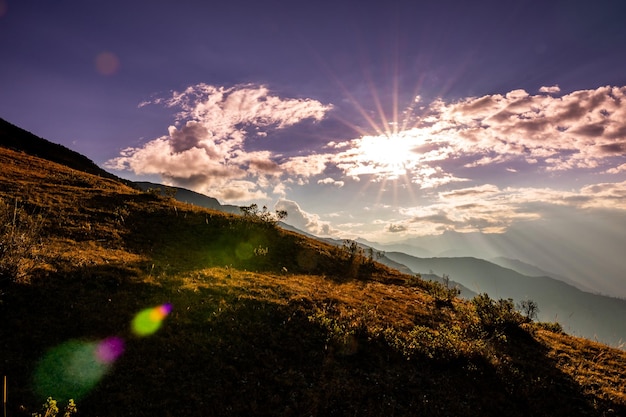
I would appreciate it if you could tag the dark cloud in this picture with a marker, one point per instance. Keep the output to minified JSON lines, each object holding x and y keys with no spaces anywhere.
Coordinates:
{"x":396,"y":228}
{"x":590,"y":130}
{"x":614,"y":148}
{"x":189,"y":137}
{"x":264,"y":165}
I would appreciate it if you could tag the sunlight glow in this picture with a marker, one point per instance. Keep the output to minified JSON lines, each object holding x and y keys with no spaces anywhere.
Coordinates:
{"x":385,"y":156}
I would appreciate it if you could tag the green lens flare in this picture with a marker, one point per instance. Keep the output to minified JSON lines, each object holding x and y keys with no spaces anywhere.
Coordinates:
{"x":70,"y":370}
{"x":148,"y":321}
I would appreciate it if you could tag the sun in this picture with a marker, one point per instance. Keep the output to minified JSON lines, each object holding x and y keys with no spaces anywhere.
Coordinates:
{"x":387,"y":156}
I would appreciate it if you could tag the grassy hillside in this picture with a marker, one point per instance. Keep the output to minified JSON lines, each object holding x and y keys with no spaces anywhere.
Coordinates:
{"x":264,"y":322}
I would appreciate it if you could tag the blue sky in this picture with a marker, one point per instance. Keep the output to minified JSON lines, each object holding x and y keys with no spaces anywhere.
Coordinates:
{"x":382,"y":120}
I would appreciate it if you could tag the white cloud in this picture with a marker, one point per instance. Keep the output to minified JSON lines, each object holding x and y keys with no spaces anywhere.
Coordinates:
{"x":306,"y":166}
{"x":206,"y":149}
{"x":490,"y":209}
{"x":302,"y":220}
{"x":582,"y":130}
{"x":550,"y":90}
{"x":617,"y":169}
{"x":330,"y":181}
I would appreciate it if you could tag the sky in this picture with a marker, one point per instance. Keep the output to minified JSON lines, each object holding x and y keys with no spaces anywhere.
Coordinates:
{"x":384,"y":120}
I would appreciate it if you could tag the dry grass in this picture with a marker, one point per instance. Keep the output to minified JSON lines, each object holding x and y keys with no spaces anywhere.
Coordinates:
{"x":296,"y":331}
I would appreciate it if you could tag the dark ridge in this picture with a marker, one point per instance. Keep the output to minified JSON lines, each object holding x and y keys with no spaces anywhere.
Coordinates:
{"x":18,"y":139}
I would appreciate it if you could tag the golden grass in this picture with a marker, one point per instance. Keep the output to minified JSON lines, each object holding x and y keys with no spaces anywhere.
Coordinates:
{"x":598,"y":369}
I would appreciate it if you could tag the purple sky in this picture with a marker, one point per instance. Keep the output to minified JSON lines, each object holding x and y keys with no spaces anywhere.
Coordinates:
{"x":383,"y":120}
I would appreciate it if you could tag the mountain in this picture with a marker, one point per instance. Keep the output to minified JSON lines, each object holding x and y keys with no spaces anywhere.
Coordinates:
{"x":16,"y":138}
{"x":590,"y":315}
{"x":132,"y":303}
{"x":533,"y":271}
{"x":399,"y":247}
{"x":390,"y":262}
{"x":590,"y":256}
{"x":187,"y":196}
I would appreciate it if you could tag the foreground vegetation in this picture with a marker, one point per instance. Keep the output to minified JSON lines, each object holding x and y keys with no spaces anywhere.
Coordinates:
{"x":264,"y":322}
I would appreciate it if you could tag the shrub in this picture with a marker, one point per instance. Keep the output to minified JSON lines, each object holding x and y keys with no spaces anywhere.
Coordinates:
{"x":553,"y":327}
{"x":496,"y":317}
{"x":51,"y":409}
{"x":443,"y":292}
{"x":263,"y":215}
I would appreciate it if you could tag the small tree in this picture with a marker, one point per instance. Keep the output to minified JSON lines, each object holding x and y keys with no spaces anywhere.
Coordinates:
{"x":529,"y":309}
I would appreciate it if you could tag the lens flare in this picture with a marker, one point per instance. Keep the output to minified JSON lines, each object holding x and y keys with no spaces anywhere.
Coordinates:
{"x":244,"y":251}
{"x":108,"y":350}
{"x":73,"y":368}
{"x":148,"y":321}
{"x":107,"y":63}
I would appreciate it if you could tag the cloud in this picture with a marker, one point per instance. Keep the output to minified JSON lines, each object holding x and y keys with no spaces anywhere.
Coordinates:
{"x":490,"y":209}
{"x":617,"y":169}
{"x":221,"y":145}
{"x":581,"y":130}
{"x":331,"y":181}
{"x":206,"y":149}
{"x":550,"y":90}
{"x":302,"y":220}
{"x":306,"y":166}
{"x":396,"y":228}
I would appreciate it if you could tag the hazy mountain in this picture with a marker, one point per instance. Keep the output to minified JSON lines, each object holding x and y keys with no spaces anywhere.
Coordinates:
{"x":591,"y":256}
{"x":534,"y":271}
{"x":382,"y":257}
{"x":589,"y":315}
{"x":187,"y":196}
{"x":399,"y":247}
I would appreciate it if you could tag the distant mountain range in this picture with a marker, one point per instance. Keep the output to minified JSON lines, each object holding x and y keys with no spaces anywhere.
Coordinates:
{"x":533,"y":271}
{"x":589,"y":256}
{"x":581,"y":313}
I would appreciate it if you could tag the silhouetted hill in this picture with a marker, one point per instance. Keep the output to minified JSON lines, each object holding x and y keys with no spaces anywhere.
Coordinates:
{"x":18,"y":139}
{"x":581,"y":313}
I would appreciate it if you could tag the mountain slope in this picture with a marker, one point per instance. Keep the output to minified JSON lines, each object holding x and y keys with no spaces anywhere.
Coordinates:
{"x":585,"y":314}
{"x":188,"y":196}
{"x":590,"y":254}
{"x":533,"y":271}
{"x":263,"y":322}
{"x":18,"y":139}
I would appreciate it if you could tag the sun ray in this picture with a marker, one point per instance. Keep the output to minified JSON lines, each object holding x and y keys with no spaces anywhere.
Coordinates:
{"x":359,"y":108}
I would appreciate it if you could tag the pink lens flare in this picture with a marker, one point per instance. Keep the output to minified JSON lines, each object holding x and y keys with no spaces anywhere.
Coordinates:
{"x":108,"y":350}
